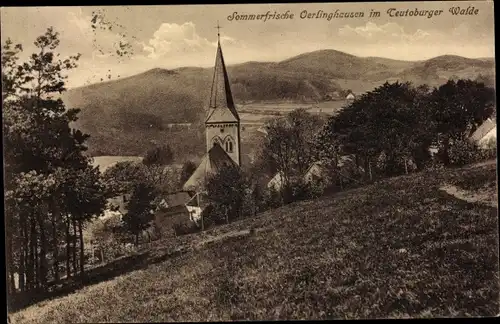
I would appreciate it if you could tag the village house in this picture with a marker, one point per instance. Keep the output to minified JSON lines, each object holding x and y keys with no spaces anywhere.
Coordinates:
{"x":116,"y":207}
{"x":319,"y":172}
{"x":276,"y":182}
{"x":486,"y":134}
{"x":171,"y":211}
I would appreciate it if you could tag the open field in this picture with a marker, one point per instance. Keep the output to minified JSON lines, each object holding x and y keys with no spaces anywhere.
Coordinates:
{"x":105,"y":162}
{"x":261,"y":112}
{"x":402,"y":247}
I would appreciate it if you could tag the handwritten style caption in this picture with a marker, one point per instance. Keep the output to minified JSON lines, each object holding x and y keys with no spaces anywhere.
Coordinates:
{"x":337,"y":14}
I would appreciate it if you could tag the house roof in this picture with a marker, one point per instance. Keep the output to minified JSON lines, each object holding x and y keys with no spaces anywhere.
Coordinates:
{"x":177,"y":199}
{"x":215,"y":160}
{"x":484,"y":129}
{"x":342,"y":160}
{"x":315,"y":164}
{"x":221,"y":107}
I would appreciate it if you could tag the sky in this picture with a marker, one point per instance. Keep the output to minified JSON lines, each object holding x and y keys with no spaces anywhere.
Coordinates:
{"x":185,"y":35}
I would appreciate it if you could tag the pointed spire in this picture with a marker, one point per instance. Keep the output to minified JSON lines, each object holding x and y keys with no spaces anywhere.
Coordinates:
{"x":218,"y":32}
{"x":221,"y":105}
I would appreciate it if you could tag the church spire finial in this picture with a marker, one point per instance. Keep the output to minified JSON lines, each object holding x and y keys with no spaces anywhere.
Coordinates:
{"x":218,"y":31}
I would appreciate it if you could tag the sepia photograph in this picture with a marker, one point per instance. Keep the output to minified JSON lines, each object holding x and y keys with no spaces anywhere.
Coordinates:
{"x":292,"y":161}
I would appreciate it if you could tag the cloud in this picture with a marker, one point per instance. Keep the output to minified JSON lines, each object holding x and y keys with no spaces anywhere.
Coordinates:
{"x":172,"y":39}
{"x":387,"y":33}
{"x":181,"y":39}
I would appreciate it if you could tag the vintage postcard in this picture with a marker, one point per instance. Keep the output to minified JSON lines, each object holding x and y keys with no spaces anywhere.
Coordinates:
{"x":250,"y":162}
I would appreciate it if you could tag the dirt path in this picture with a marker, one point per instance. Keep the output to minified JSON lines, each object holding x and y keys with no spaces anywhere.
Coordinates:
{"x":487,"y":196}
{"x":481,"y":164}
{"x":231,"y":234}
{"x":223,"y":236}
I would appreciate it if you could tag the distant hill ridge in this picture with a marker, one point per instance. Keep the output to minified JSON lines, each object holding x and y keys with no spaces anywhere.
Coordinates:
{"x":125,"y":115}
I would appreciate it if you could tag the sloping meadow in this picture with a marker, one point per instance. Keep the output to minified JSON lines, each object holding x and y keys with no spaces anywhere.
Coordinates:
{"x":399,"y":248}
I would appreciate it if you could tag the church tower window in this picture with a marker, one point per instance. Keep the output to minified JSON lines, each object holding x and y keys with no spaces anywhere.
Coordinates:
{"x":229,"y":146}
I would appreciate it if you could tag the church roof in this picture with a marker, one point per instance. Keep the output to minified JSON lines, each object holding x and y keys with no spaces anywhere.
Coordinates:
{"x":221,"y":107}
{"x":215,"y":160}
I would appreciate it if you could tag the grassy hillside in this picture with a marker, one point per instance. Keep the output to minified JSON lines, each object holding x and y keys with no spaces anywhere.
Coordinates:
{"x":440,"y":69}
{"x":401,"y":247}
{"x":127,"y":116}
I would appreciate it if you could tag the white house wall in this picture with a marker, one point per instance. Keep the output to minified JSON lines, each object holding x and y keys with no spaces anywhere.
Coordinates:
{"x":491,"y":135}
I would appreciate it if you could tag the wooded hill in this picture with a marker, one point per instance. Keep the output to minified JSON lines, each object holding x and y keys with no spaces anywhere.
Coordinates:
{"x":127,"y":116}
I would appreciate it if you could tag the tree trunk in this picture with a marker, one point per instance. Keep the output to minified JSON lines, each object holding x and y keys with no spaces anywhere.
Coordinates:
{"x":9,"y":257}
{"x":23,"y":256}
{"x":43,"y":253}
{"x":92,"y":249}
{"x":406,"y":166}
{"x":31,"y":257}
{"x":55,"y":216}
{"x":75,"y":260}
{"x":10,"y":265}
{"x":22,"y":270}
{"x":82,"y":251}
{"x":227,"y":215}
{"x":446,"y":149}
{"x":36,"y":257}
{"x":136,"y":239}
{"x":370,"y":170}
{"x":68,"y":252}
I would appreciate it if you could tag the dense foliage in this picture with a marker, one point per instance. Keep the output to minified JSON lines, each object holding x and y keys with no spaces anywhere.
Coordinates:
{"x":51,"y":189}
{"x":391,"y":129}
{"x":160,"y":155}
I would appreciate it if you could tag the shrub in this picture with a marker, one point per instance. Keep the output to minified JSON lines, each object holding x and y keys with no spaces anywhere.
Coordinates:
{"x":316,"y":189}
{"x":463,"y":152}
{"x":185,"y":228}
{"x":272,"y":199}
{"x":212,"y":215}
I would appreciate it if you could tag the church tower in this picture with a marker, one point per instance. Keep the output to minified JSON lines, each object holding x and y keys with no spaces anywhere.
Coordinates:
{"x":222,"y":125}
{"x":222,"y":130}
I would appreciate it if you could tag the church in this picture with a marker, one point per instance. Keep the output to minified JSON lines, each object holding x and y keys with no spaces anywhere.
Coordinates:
{"x":222,"y":130}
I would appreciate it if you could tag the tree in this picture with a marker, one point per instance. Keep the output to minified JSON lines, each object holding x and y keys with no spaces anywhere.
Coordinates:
{"x":160,"y":155}
{"x":226,"y":190}
{"x":11,"y":75}
{"x":392,"y":122}
{"x":44,"y":164}
{"x":187,"y":170}
{"x":121,"y":177}
{"x":86,"y":199}
{"x":458,"y":109}
{"x":140,"y":207}
{"x":289,"y":146}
